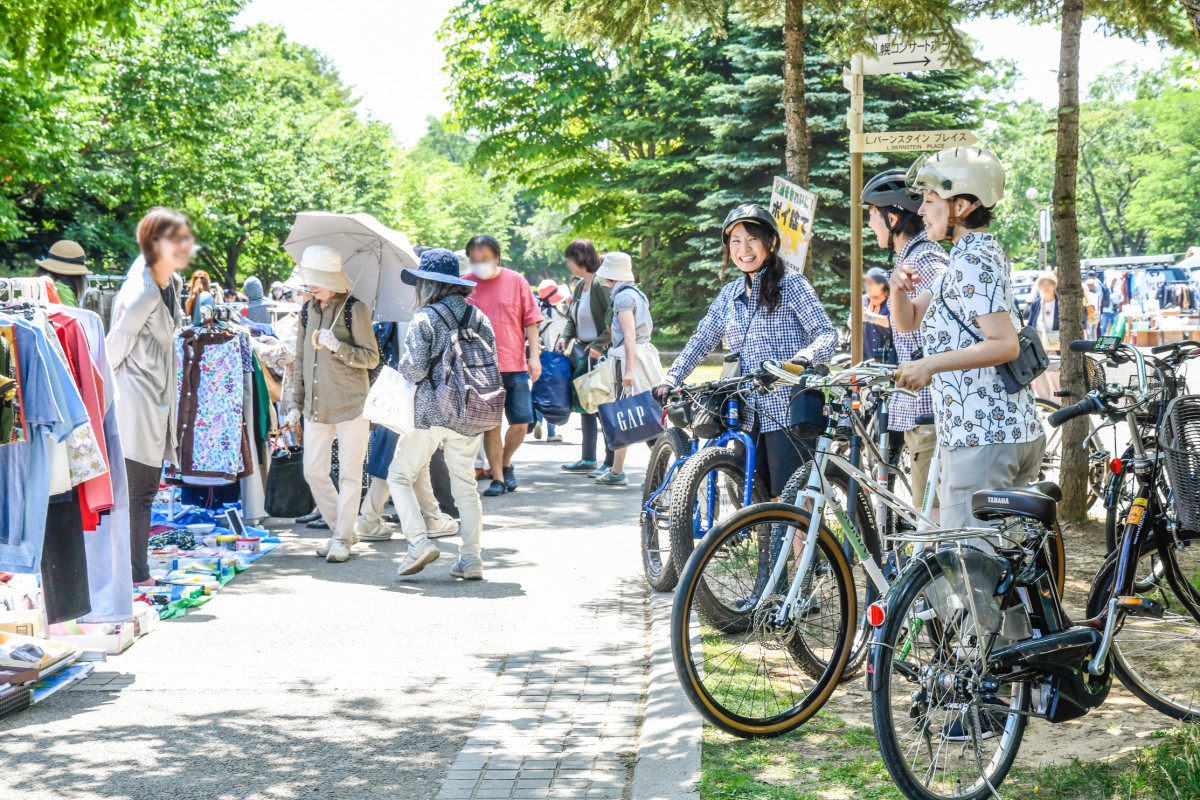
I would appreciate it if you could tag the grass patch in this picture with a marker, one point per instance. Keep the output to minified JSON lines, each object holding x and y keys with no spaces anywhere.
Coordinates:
{"x":829,"y":760}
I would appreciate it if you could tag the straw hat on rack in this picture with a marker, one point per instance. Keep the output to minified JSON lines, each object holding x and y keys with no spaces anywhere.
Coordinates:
{"x":65,"y":258}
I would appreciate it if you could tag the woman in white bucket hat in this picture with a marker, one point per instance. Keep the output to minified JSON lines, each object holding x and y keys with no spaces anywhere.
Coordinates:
{"x":335,"y":348}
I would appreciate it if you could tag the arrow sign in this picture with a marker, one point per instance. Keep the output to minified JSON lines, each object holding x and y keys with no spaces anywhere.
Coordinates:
{"x":894,"y":141}
{"x":904,"y":54}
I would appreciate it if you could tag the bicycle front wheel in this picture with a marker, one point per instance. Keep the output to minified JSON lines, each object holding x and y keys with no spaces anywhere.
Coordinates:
{"x":1155,"y":658}
{"x":770,"y":676}
{"x":942,"y":733}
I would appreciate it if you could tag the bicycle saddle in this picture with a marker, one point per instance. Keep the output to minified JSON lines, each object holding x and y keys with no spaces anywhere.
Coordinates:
{"x":1039,"y":501}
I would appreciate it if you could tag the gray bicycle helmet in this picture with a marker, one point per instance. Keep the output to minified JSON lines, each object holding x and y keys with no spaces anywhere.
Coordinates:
{"x":748,"y":212}
{"x":888,"y":191}
{"x":888,"y":188}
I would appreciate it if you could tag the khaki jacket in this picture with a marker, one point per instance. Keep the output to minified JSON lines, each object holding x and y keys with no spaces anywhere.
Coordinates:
{"x":332,"y":387}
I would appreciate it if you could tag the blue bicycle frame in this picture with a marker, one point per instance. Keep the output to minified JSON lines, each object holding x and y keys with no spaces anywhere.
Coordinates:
{"x":731,"y":418}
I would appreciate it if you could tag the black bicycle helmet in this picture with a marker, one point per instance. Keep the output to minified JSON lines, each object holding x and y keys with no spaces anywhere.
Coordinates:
{"x":888,"y":191}
{"x":748,"y":212}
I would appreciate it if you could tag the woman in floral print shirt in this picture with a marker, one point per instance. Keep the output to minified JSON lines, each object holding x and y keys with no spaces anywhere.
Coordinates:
{"x":989,"y":438}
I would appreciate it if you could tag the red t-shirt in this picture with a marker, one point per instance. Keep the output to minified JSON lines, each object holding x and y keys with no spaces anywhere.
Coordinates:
{"x":507,"y":301}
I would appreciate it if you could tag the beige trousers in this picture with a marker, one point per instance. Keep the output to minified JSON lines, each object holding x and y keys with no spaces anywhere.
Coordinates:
{"x":338,"y":505}
{"x":411,"y":461}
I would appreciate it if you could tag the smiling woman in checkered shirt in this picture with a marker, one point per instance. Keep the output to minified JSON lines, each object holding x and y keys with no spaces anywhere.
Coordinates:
{"x":768,"y":313}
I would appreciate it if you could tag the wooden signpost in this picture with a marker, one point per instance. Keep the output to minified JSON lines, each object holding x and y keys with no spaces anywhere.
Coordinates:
{"x":891,"y":54}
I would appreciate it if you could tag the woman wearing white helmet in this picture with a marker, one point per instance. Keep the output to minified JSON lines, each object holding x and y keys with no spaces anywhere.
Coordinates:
{"x":968,"y":323}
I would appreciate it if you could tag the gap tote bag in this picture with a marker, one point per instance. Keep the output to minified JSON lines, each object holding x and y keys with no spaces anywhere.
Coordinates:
{"x":632,"y":419}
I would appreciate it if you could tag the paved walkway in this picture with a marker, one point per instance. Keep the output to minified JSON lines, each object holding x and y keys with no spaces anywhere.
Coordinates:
{"x":315,"y":680}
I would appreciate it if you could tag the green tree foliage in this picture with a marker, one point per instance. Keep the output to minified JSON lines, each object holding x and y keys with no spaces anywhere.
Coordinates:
{"x":239,"y":129}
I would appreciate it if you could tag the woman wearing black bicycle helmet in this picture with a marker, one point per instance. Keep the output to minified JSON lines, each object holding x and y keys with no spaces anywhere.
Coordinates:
{"x":968,"y":323}
{"x":768,"y":313}
{"x":893,"y":218}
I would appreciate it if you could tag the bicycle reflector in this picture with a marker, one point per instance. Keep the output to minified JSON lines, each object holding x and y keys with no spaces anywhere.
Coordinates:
{"x":1115,"y":466}
{"x":876,"y":614}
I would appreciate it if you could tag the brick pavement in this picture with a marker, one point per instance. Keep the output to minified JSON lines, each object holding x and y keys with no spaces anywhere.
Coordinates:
{"x":562,"y":723}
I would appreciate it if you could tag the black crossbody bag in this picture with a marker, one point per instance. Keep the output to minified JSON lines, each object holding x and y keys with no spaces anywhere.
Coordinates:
{"x":1031,"y":362}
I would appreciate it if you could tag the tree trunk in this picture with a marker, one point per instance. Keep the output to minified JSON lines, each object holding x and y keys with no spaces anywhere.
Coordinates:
{"x":1193,"y":9}
{"x":1073,"y":475}
{"x":794,"y":113}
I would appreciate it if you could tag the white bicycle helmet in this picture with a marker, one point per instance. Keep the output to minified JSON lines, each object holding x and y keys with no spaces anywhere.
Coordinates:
{"x":968,"y":169}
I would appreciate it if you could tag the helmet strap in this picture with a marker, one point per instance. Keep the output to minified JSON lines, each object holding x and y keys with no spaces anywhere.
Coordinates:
{"x":953,"y":219}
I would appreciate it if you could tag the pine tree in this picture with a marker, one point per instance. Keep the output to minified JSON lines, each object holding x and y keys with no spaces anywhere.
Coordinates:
{"x":748,"y":143}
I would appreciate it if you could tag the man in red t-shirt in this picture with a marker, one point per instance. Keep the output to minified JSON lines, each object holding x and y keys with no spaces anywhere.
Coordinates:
{"x":506,"y":300}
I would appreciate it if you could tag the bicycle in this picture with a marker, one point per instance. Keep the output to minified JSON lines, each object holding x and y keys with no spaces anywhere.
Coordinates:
{"x":703,"y":418}
{"x":803,"y":619}
{"x":970,"y":644}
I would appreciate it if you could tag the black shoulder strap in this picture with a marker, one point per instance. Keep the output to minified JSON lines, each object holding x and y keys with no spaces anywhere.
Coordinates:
{"x":304,"y":315}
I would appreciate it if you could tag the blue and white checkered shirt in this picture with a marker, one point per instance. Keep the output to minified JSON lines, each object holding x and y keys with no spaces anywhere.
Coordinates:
{"x":929,"y":259}
{"x":798,"y":328}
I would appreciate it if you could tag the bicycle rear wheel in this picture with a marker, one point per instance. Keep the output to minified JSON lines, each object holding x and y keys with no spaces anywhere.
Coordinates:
{"x":769,"y":677}
{"x":1155,"y":658}
{"x":864,"y":522}
{"x":662,"y":571}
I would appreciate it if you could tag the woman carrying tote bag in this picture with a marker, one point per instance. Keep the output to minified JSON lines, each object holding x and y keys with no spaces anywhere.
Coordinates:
{"x":634,"y":361}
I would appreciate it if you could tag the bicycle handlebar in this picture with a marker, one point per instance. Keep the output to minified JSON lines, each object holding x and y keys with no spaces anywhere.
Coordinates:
{"x":1088,"y":405}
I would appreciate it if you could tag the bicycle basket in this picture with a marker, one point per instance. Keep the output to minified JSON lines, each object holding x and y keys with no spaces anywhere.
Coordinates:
{"x":1098,"y":374}
{"x":708,"y":417}
{"x":1180,"y":442}
{"x":807,"y":410}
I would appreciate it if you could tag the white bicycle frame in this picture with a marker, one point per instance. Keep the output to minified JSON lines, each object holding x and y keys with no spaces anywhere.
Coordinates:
{"x":817,"y":492}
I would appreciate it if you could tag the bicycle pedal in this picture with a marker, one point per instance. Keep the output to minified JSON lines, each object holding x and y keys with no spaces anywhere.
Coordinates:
{"x":1142,"y":607}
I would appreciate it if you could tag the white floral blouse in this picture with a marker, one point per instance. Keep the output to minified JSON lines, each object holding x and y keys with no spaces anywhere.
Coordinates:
{"x":972,"y":405}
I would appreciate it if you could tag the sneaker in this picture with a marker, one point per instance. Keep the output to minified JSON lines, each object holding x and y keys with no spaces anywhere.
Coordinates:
{"x":495,"y":490}
{"x":318,"y":524}
{"x":579,"y":466}
{"x":598,"y":471}
{"x":376,"y":531}
{"x":339,"y":551}
{"x":554,"y":438}
{"x":537,"y":429}
{"x":308,"y":518}
{"x":323,"y":548}
{"x":469,"y":568}
{"x":443,"y":527}
{"x":610,"y":478}
{"x":418,"y":558}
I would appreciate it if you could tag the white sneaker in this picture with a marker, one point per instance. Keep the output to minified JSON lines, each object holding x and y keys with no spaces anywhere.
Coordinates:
{"x":444,"y":526}
{"x":339,"y":551}
{"x":377,"y":531}
{"x":418,"y":558}
{"x":323,"y":548}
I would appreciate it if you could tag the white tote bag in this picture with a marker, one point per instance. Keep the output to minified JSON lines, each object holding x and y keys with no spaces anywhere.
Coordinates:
{"x":391,"y":401}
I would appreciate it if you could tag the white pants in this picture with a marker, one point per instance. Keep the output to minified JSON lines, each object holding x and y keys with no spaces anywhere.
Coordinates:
{"x":411,"y":461}
{"x":339,"y":506}
{"x":371,"y":511}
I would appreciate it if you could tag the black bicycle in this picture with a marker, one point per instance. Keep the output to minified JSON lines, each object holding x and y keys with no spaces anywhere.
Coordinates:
{"x":972,"y":639}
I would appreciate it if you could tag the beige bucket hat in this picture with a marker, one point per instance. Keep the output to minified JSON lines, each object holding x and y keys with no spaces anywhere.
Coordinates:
{"x":321,"y":267}
{"x":616,"y":266}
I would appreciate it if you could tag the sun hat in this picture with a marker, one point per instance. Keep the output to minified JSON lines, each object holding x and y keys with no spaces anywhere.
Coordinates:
{"x":65,"y":258}
{"x":321,"y":267}
{"x":437,"y":264}
{"x":561,"y":293}
{"x":1046,"y":276}
{"x":616,"y":266}
{"x":464,"y":263}
{"x":546,"y":288}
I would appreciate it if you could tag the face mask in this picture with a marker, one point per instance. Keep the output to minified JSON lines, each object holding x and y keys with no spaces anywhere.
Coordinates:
{"x":484,"y":269}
